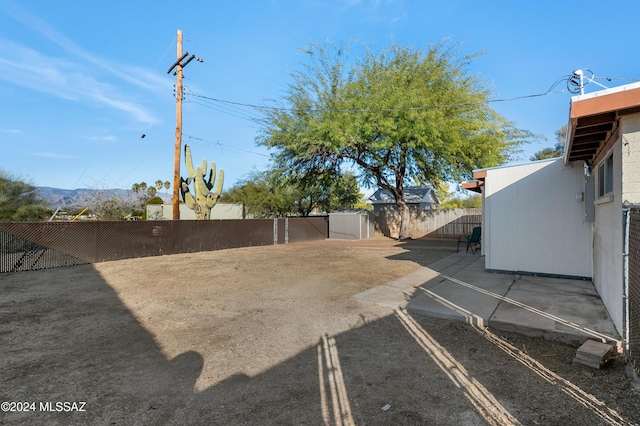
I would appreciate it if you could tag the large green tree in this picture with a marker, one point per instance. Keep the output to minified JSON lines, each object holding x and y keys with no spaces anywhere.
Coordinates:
{"x":261,"y":196}
{"x":397,"y":115}
{"x":273,"y":193}
{"x":326,"y":194}
{"x":19,"y":200}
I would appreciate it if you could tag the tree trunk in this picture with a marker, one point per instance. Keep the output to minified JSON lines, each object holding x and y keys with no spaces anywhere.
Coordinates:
{"x":405,"y":221}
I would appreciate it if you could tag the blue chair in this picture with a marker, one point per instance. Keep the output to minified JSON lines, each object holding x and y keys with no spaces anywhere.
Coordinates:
{"x":474,"y":238}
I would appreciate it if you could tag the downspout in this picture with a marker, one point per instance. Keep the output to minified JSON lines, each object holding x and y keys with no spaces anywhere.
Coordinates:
{"x":625,"y":277}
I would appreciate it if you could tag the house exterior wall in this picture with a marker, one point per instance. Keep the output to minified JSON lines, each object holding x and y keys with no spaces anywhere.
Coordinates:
{"x":390,"y":207}
{"x":630,"y":150}
{"x":607,"y":240}
{"x":219,"y":211}
{"x":534,"y":220}
{"x":608,"y":225}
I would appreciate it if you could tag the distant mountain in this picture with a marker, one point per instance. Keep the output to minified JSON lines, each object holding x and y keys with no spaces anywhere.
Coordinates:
{"x":85,"y":197}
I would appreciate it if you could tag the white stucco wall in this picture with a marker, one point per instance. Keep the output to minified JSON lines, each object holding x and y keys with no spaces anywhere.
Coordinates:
{"x":219,"y":211}
{"x":533,"y":221}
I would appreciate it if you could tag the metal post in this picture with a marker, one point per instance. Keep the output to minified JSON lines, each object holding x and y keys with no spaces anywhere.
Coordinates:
{"x":626,"y":218}
{"x":286,"y":230}
{"x":275,"y":231}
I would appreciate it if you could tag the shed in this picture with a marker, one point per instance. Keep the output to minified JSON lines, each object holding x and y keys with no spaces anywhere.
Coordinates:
{"x":351,"y":225}
{"x":533,"y":219}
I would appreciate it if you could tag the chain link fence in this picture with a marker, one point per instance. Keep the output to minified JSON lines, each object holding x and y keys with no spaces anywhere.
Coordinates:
{"x":634,"y":287}
{"x":27,"y":246}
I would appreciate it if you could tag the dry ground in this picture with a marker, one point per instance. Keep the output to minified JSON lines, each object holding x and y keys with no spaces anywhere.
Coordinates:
{"x":268,"y":336}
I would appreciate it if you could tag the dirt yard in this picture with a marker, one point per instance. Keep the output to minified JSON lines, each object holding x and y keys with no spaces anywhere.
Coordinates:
{"x":268,"y":336}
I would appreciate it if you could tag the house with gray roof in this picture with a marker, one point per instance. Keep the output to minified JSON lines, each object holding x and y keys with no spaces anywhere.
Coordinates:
{"x":417,"y":197}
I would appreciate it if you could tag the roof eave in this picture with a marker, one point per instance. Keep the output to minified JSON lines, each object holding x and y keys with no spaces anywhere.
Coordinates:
{"x":594,"y":121}
{"x":473,"y":185}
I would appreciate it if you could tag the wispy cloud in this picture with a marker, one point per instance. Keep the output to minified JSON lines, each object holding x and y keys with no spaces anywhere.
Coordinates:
{"x":102,"y":138}
{"x":77,"y":76}
{"x":379,"y":11}
{"x":15,"y":131}
{"x":63,"y":79}
{"x":40,"y":26}
{"x":54,"y":155}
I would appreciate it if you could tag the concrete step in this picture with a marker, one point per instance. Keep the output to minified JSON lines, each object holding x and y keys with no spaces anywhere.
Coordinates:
{"x":595,"y":354}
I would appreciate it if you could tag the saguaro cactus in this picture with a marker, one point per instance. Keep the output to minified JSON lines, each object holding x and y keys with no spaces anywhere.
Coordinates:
{"x":204,"y":199}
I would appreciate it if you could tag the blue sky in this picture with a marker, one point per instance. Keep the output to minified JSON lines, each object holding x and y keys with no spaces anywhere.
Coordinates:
{"x":82,"y":81}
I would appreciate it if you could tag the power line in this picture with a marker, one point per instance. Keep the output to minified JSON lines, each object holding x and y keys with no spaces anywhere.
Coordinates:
{"x":173,"y":41}
{"x":245,"y":117}
{"x":617,"y":79}
{"x":235,"y":111}
{"x":566,"y":78}
{"x":217,"y":54}
{"x":228,"y":146}
{"x":420,"y":108}
{"x":157,"y":65}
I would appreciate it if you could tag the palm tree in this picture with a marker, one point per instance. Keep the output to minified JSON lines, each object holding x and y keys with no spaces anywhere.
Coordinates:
{"x":167,"y":185}
{"x":158,"y":184}
{"x":135,"y":188}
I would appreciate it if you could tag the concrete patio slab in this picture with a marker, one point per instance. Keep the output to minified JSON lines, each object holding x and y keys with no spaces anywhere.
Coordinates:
{"x":558,"y":309}
{"x":459,"y":288}
{"x":409,"y":281}
{"x":458,"y":299}
{"x":391,"y":297}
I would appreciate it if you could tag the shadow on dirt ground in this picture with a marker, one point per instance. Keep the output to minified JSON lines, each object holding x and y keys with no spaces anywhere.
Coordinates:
{"x":425,"y":251}
{"x":70,"y":339}
{"x":74,"y":335}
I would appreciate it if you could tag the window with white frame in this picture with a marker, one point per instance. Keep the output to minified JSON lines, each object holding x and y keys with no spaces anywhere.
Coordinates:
{"x":605,"y":176}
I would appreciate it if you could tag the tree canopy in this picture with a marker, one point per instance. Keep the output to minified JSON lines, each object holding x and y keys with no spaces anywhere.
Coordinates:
{"x":273,"y":193}
{"x":19,"y":200}
{"x":146,"y":193}
{"x":557,"y":150}
{"x":397,"y":115}
{"x":471,"y":202}
{"x":260,"y":196}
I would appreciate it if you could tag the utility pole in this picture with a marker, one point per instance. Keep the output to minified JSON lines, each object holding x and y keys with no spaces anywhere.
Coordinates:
{"x":178,"y":65}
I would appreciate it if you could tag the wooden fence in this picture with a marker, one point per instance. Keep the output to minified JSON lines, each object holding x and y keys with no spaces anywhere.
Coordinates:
{"x":450,"y":223}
